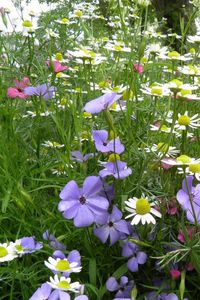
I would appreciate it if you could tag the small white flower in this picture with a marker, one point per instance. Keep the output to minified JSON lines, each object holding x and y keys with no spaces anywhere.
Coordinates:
{"x":163,"y":149}
{"x":182,"y":160}
{"x":157,"y":90}
{"x":62,"y":265}
{"x":64,"y":284}
{"x":141,"y":211}
{"x":7,"y":252}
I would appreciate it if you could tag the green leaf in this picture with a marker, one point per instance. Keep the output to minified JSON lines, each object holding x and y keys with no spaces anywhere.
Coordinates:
{"x":93,"y":271}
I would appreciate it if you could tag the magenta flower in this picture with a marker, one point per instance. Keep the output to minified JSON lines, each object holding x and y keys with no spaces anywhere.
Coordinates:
{"x":103,"y":145}
{"x":117,"y":169}
{"x":138,"y":68}
{"x":57,"y":66}
{"x":102,"y":103}
{"x":184,"y":200}
{"x":83,"y":204}
{"x":18,"y":90}
{"x":123,"y":288}
{"x":112,"y":227}
{"x":42,"y":90}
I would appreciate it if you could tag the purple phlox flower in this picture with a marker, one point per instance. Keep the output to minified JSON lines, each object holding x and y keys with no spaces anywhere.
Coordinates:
{"x":101,"y":103}
{"x":103,"y":145}
{"x":83,"y":204}
{"x":118,"y":169}
{"x":42,"y":90}
{"x":79,"y":157}
{"x":108,"y":191}
{"x":136,"y":257}
{"x":113,"y":227}
{"x":29,"y":245}
{"x":162,"y":296}
{"x":123,"y":288}
{"x":184,"y":200}
{"x":61,"y":295}
{"x":53,"y":242}
{"x":42,"y":292}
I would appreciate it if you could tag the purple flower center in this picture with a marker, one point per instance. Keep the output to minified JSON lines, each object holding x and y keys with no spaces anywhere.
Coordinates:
{"x":104,"y":143}
{"x":82,"y":200}
{"x":110,"y":224}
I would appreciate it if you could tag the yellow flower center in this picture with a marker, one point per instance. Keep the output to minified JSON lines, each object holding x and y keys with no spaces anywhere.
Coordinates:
{"x":162,"y":147}
{"x":27,"y":23}
{"x":183,"y":158}
{"x":113,"y":157}
{"x":63,"y":101}
{"x":59,"y":56}
{"x":62,"y":265}
{"x":127,"y":95}
{"x":114,"y":106}
{"x":104,"y":84}
{"x":142,"y":206}
{"x":19,"y":248}
{"x":174,"y":54}
{"x":164,"y":128}
{"x":63,"y":285}
{"x":194,"y":168}
{"x":79,"y":13}
{"x":184,"y":120}
{"x":87,"y":114}
{"x":175,"y":82}
{"x":185,"y":92}
{"x":3,"y":252}
{"x":117,"y":48}
{"x":192,"y":51}
{"x":65,"y":20}
{"x":157,"y":90}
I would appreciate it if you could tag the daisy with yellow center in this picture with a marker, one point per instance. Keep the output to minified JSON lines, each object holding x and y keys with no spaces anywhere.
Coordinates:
{"x":141,"y":211}
{"x":182,"y":161}
{"x":7,"y":252}
{"x":62,"y":265}
{"x":64,"y":284}
{"x":184,"y":121}
{"x":163,"y":149}
{"x":156,"y":90}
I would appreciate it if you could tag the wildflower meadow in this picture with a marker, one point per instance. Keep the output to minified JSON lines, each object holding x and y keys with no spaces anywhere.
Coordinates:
{"x":100,"y":150}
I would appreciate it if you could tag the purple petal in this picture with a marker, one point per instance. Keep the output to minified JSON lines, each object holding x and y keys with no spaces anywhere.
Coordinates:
{"x":116,"y":146}
{"x":100,"y":138}
{"x":42,"y":292}
{"x":123,"y":280}
{"x":81,"y":297}
{"x":141,"y":257}
{"x":122,"y":226}
{"x":65,"y":205}
{"x":76,"y":155}
{"x":70,"y":191}
{"x":183,"y":198}
{"x":116,"y":214}
{"x":74,"y":256}
{"x":30,"y":91}
{"x":98,"y":204}
{"x":114,"y":236}
{"x":102,"y":233}
{"x":71,"y":212}
{"x":112,"y":284}
{"x":189,"y":180}
{"x":87,"y":156}
{"x":92,"y":185}
{"x":58,"y":254}
{"x":101,"y":103}
{"x":84,"y":217}
{"x":132,"y":264}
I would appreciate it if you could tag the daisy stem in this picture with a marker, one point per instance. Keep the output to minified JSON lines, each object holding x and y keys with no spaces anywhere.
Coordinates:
{"x":190,"y":199}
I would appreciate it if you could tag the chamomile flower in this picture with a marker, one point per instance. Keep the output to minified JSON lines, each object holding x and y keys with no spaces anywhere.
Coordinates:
{"x":175,"y":56}
{"x":7,"y":252}
{"x":182,"y":160}
{"x":62,"y":265}
{"x":156,"y":90}
{"x":64,"y":284}
{"x":192,"y":169}
{"x":141,"y":211}
{"x":193,"y":39}
{"x":163,"y":149}
{"x":189,"y":70}
{"x":184,"y":121}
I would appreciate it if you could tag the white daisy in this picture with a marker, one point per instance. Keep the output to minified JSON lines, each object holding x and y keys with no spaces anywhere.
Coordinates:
{"x":184,"y":121}
{"x":7,"y":252}
{"x":182,"y":160}
{"x":64,"y":284}
{"x":192,"y":169}
{"x":157,"y":90}
{"x":62,"y":265}
{"x":141,"y":211}
{"x":163,"y":149}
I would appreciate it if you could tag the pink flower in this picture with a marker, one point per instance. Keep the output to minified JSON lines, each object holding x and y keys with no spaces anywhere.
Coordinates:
{"x":18,"y":90}
{"x":175,"y":274}
{"x":138,"y":68}
{"x":57,"y":66}
{"x":190,"y":233}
